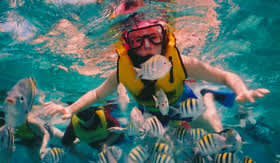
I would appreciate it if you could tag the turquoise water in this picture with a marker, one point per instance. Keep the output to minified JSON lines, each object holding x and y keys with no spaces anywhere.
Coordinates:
{"x":65,"y":46}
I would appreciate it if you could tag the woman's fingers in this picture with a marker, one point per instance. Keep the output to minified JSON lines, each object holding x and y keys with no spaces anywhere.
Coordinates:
{"x":251,"y":95}
{"x":258,"y":94}
{"x":263,"y":91}
{"x":66,"y":116}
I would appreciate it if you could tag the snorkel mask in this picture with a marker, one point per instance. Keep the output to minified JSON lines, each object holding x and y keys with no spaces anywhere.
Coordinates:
{"x":153,"y":24}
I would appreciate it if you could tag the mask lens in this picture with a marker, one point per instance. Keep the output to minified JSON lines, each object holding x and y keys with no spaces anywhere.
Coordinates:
{"x":153,"y":33}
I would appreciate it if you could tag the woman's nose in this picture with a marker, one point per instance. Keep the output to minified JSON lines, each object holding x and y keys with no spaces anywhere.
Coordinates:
{"x":147,"y":44}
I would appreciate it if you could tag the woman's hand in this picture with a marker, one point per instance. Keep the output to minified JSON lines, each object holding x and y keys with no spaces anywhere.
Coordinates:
{"x":250,"y":95}
{"x":52,"y":109}
{"x":43,"y":152}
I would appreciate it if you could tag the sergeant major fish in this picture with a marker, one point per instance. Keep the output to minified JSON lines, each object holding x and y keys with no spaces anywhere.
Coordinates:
{"x":153,"y":127}
{"x":190,"y":136}
{"x":154,"y":68}
{"x":19,"y":102}
{"x":231,"y":158}
{"x":162,"y":157}
{"x":233,"y":140}
{"x":161,"y":147}
{"x":211,"y":143}
{"x":138,"y":154}
{"x":6,"y":143}
{"x":136,"y":117}
{"x":130,"y":130}
{"x":54,"y":155}
{"x":161,"y":101}
{"x":190,"y":108}
{"x":109,"y":154}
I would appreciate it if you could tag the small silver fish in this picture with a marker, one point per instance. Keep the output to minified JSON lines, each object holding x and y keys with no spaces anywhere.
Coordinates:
{"x":248,"y":160}
{"x":190,"y":108}
{"x":138,"y":154}
{"x":233,"y":140}
{"x":231,"y":158}
{"x":54,"y":155}
{"x":161,"y":101}
{"x":153,"y":127}
{"x":182,"y":135}
{"x":188,"y":137}
{"x":199,"y":159}
{"x":154,"y":68}
{"x":211,"y":143}
{"x":19,"y":102}
{"x":7,"y":140}
{"x":130,"y":130}
{"x":109,"y":154}
{"x":161,"y":147}
{"x":197,"y":133}
{"x":136,"y":117}
{"x":123,"y":98}
{"x":162,"y":158}
{"x":226,"y":158}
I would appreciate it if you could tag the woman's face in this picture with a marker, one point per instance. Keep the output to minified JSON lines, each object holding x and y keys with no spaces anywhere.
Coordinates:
{"x":146,"y":41}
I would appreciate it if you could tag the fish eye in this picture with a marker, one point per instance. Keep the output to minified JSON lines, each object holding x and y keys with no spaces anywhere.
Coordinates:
{"x":21,"y":99}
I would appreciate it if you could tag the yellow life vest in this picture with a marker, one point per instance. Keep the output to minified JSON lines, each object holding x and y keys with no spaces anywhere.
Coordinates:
{"x":89,"y":135}
{"x":24,"y":132}
{"x":172,"y":83}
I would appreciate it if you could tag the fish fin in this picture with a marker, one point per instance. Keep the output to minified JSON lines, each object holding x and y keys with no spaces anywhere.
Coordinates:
{"x":156,"y":100}
{"x":13,"y":148}
{"x":138,"y":73}
{"x":224,"y":97}
{"x":209,"y":158}
{"x":117,"y":129}
{"x":174,"y":111}
{"x":116,"y":152}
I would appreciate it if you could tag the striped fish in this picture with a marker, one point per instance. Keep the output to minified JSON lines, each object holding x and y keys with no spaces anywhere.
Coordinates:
{"x":247,"y":160}
{"x":181,"y":134}
{"x":136,"y":117}
{"x":226,"y":158}
{"x":199,"y":159}
{"x":54,"y":155}
{"x":154,"y":68}
{"x":162,"y":158}
{"x":7,"y":140}
{"x":197,"y":133}
{"x":185,"y":136}
{"x":161,"y":147}
{"x":210,"y":144}
{"x":190,"y":108}
{"x":138,"y":154}
{"x":109,"y":154}
{"x":161,"y":102}
{"x":233,"y":140}
{"x":153,"y":127}
{"x":231,"y":158}
{"x":130,"y":130}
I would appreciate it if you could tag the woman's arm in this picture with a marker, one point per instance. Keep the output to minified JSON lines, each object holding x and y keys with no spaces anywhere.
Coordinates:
{"x":200,"y":70}
{"x":106,"y":88}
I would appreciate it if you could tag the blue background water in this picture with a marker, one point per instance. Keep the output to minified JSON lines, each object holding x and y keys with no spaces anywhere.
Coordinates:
{"x":39,"y":39}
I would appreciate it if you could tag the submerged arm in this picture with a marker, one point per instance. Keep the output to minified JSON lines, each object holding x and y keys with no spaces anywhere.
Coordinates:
{"x":38,"y":128}
{"x":94,"y":95}
{"x":204,"y":71}
{"x":86,"y":100}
